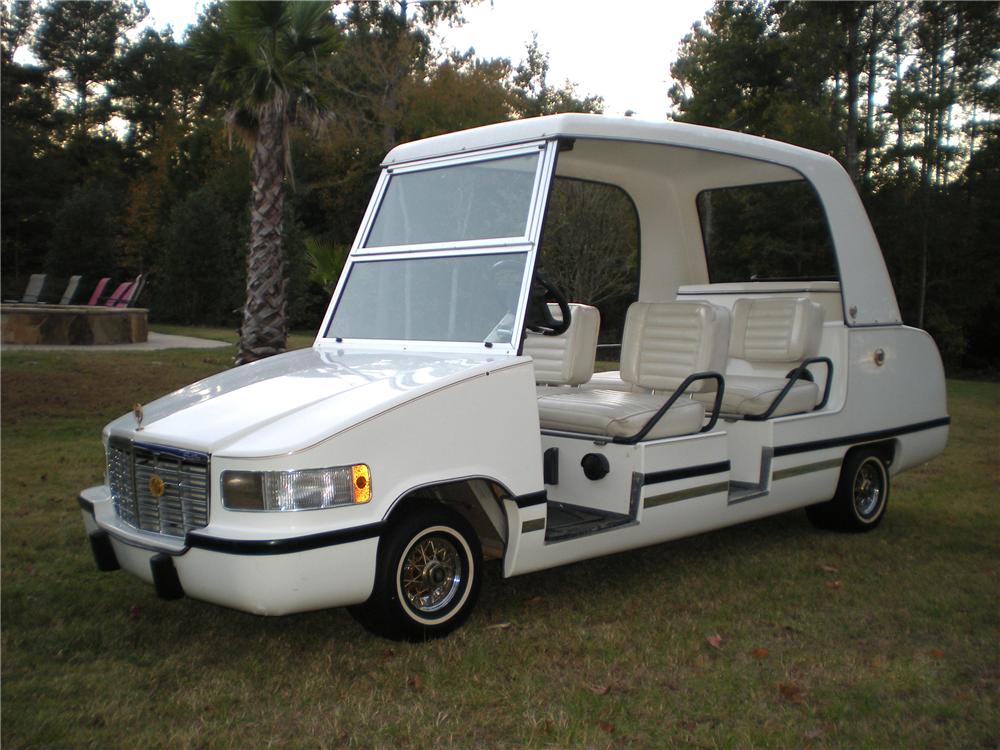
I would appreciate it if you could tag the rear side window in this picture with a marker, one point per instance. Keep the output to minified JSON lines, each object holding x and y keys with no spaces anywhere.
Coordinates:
{"x":769,"y":232}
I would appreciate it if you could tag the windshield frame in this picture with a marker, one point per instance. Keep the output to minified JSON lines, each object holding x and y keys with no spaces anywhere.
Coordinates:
{"x":526,"y":244}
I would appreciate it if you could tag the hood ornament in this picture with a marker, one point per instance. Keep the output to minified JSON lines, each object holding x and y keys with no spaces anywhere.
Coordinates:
{"x":137,"y":413}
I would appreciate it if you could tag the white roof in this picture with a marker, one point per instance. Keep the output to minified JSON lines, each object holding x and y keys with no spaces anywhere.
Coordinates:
{"x":602,"y":127}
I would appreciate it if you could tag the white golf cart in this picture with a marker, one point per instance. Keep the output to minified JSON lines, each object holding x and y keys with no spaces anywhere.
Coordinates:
{"x":449,"y":411}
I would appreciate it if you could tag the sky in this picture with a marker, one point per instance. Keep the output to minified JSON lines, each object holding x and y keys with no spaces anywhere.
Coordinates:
{"x":618,"y":50}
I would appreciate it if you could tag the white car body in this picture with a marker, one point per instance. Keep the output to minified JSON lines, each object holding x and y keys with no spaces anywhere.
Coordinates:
{"x":457,"y":422}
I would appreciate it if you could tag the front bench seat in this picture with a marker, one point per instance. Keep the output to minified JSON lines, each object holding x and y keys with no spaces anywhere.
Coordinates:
{"x":617,"y":414}
{"x":611,"y":380}
{"x":566,"y":359}
{"x":664,"y":343}
{"x":769,"y":331}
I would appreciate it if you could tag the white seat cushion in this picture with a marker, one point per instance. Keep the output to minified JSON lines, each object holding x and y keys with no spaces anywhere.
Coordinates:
{"x":617,"y":413}
{"x":546,"y":390}
{"x":566,"y":359}
{"x":665,"y":342}
{"x":776,"y":329}
{"x":611,"y":381}
{"x":750,"y":395}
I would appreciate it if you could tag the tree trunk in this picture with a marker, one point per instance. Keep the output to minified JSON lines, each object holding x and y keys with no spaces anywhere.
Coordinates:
{"x":853,"y":73}
{"x":81,"y":106}
{"x":924,"y":231}
{"x":264,"y":328}
{"x":900,"y":119}
{"x":870,"y":85}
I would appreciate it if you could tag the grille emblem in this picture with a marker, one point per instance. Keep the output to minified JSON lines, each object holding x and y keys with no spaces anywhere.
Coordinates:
{"x":137,"y":413}
{"x":156,"y":485}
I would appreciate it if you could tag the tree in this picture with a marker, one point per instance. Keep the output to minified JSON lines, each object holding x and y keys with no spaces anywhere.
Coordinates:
{"x":730,"y":68}
{"x":78,"y":43}
{"x":270,"y":61}
{"x":155,"y":89}
{"x":532,"y":96}
{"x":459,"y":92}
{"x":386,"y":50}
{"x":84,"y":232}
{"x":29,"y":195}
{"x":195,"y":287}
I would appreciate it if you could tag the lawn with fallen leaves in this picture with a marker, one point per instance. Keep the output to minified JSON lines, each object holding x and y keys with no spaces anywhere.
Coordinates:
{"x":768,"y":635}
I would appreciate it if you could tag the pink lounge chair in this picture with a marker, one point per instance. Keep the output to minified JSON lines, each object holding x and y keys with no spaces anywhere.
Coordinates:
{"x":131,"y":297}
{"x":119,"y":294}
{"x":98,"y":291}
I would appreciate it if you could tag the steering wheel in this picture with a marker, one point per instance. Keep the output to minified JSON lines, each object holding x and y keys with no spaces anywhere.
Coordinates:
{"x":539,"y":317}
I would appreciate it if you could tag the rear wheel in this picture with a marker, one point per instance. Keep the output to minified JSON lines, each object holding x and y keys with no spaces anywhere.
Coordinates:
{"x":428,"y":577}
{"x":861,"y":498}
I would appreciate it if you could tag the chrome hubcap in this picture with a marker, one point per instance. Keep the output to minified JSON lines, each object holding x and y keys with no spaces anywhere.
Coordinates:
{"x":431,"y":574}
{"x":867,"y":489}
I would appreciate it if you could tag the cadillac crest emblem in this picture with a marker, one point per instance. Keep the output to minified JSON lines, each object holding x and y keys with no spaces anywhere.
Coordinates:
{"x":156,"y":485}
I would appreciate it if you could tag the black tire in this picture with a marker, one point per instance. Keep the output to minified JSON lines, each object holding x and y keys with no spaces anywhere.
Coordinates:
{"x":428,"y":576}
{"x":821,"y":515}
{"x":861,"y":498}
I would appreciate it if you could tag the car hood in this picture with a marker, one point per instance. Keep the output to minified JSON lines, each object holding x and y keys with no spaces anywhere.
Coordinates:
{"x":292,"y":401}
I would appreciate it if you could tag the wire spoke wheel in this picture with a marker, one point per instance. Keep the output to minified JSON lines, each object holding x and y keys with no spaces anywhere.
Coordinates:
{"x":428,"y":576}
{"x":862,"y":493}
{"x":868,"y":488}
{"x":431,"y":574}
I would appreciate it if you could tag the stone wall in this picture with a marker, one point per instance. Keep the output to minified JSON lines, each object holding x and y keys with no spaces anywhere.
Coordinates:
{"x":73,"y":324}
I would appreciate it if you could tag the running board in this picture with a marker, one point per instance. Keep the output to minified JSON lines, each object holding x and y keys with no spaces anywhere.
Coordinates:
{"x":564,"y":522}
{"x":740,"y":492}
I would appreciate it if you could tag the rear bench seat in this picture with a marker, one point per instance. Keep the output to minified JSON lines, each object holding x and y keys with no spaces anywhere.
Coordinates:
{"x":664,"y":344}
{"x":772,"y":333}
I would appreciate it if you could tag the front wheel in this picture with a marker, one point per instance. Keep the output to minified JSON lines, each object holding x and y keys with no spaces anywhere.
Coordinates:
{"x":428,"y":577}
{"x":862,"y":495}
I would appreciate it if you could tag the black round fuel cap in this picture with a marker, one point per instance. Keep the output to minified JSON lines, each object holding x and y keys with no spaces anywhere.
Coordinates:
{"x":595,"y":465}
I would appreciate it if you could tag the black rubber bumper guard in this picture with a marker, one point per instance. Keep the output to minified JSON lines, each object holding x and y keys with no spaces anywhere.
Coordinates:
{"x":165,"y":579}
{"x":104,"y":553}
{"x":168,"y":585}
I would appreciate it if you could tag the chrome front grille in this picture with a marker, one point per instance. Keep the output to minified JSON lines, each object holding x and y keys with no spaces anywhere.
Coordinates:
{"x":121,"y":483}
{"x":158,"y":489}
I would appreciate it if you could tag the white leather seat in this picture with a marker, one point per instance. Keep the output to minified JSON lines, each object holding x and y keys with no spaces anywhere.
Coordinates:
{"x":611,"y":381}
{"x":617,"y":413}
{"x":566,"y":359}
{"x":752,"y":396}
{"x":772,"y":331}
{"x":664,"y":343}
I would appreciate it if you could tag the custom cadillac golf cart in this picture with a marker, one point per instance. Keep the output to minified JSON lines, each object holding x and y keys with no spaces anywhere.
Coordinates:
{"x":448,"y":410}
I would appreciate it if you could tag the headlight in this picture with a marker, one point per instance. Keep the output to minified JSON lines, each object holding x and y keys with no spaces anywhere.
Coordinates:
{"x":309,"y":489}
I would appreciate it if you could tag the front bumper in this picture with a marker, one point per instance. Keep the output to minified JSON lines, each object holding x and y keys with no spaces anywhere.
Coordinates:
{"x":261,"y":576}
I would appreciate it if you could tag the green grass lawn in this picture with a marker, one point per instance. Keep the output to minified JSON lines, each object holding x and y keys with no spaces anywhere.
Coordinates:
{"x":881,"y":640}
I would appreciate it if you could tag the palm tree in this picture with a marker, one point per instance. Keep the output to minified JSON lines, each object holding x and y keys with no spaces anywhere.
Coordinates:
{"x":269,"y":61}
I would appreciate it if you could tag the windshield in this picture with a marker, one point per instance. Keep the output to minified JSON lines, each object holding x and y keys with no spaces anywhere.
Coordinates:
{"x":486,"y":199}
{"x":454,"y":298}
